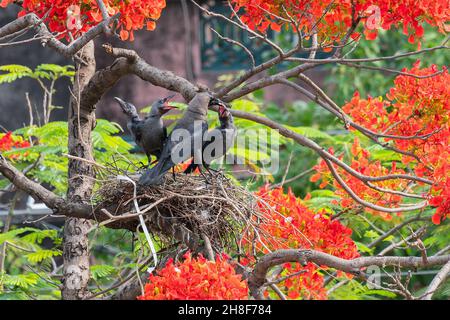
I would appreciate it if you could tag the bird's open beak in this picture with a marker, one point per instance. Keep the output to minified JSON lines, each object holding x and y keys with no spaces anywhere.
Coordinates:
{"x":166,"y":107}
{"x":222,"y":111}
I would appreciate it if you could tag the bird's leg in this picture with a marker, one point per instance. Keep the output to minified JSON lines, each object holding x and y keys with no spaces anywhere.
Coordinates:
{"x":209,"y":169}
{"x":150,"y":162}
{"x":200,"y":169}
{"x":173,"y":173}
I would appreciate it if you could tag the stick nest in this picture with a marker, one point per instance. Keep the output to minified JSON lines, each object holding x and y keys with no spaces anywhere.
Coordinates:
{"x":186,"y":209}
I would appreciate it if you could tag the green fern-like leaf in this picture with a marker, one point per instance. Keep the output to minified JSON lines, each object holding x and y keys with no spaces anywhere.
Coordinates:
{"x":23,"y":281}
{"x":40,"y":255}
{"x":311,"y":132}
{"x":101,"y":271}
{"x":55,"y":70}
{"x":10,"y":235}
{"x":39,"y":235}
{"x":14,"y":72}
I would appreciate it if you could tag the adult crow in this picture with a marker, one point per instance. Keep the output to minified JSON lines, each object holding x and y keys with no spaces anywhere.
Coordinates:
{"x":149,"y":133}
{"x":185,"y":140}
{"x":218,"y":140}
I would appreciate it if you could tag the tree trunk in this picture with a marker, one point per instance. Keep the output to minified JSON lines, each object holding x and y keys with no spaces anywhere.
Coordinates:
{"x":80,"y":174}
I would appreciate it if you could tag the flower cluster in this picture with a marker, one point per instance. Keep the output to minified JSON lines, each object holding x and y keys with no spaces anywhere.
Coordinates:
{"x":286,"y":222}
{"x":333,"y":18}
{"x":77,"y":16}
{"x":415,"y":117}
{"x":9,"y":142}
{"x":196,"y":279}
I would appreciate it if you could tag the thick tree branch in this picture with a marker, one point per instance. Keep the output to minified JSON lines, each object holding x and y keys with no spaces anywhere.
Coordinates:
{"x":48,"y":39}
{"x":157,"y":77}
{"x":438,"y":280}
{"x":57,"y":204}
{"x":81,"y":121}
{"x":257,"y":278}
{"x":102,"y":81}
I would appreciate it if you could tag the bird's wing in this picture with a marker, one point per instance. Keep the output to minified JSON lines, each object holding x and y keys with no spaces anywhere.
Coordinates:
{"x":230,"y":136}
{"x":175,"y":151}
{"x":217,"y":142}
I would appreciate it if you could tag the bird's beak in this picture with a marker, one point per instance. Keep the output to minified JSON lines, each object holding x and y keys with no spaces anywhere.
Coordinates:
{"x":120,"y":101}
{"x":222,"y":111}
{"x":170,"y":97}
{"x":222,"y":106}
{"x":166,"y":107}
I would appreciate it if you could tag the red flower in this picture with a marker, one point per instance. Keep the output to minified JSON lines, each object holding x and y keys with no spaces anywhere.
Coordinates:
{"x":196,"y":279}
{"x":9,"y":142}
{"x":333,"y":18}
{"x":287,"y":223}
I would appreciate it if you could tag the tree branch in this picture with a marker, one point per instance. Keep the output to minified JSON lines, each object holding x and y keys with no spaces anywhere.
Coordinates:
{"x":437,"y":281}
{"x":149,"y":73}
{"x":257,"y":278}
{"x":48,"y":39}
{"x":57,"y":204}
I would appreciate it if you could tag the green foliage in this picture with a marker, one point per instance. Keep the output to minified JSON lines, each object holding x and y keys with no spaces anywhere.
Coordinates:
{"x":353,"y":290}
{"x":311,"y":132}
{"x":102,"y":271}
{"x":28,"y":263}
{"x":22,"y":281}
{"x":41,"y":255}
{"x":50,"y":147}
{"x":13,"y":72}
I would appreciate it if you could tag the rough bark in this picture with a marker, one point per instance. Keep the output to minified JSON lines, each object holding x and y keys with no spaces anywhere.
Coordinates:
{"x":81,"y":122}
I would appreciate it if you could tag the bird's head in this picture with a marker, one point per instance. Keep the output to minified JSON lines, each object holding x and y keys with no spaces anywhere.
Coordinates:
{"x":162,"y":106}
{"x":126,"y":107}
{"x":223,"y":111}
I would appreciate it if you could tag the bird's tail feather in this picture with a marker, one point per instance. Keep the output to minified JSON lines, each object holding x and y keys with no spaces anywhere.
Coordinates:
{"x":153,"y":176}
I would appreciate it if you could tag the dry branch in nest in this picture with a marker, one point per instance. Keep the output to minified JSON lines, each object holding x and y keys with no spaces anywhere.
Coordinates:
{"x":185,"y":209}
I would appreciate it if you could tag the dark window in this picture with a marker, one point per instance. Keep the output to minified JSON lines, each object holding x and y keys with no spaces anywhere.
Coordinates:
{"x":220,"y":55}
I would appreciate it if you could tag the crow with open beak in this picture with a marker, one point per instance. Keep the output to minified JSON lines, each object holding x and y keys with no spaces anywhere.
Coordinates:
{"x":194,"y":124}
{"x":219,"y":140}
{"x":149,"y":133}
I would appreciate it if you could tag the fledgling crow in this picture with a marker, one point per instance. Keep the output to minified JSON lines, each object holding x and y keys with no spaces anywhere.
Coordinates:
{"x":148,"y":133}
{"x":185,"y":140}
{"x":219,"y":140}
